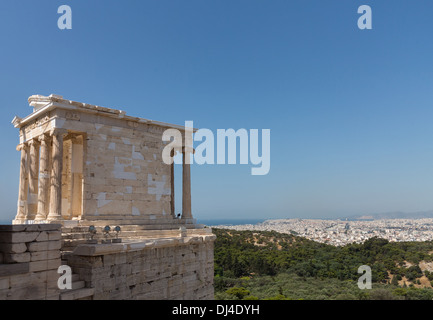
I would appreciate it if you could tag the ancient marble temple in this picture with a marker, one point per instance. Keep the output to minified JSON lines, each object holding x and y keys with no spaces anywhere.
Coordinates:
{"x":85,"y":164}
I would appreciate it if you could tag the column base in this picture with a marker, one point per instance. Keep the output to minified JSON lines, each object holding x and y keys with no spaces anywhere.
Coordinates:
{"x":54,"y":216}
{"x":29,"y":221}
{"x":41,"y":218}
{"x":189,"y":220}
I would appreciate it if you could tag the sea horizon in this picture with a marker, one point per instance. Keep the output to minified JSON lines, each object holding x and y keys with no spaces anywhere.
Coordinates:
{"x":216,"y":222}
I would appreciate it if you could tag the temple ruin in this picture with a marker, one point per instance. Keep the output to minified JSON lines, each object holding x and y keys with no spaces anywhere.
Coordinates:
{"x":95,"y":165}
{"x":85,"y":171}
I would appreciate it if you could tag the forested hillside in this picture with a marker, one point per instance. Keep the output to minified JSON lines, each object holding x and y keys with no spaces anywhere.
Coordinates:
{"x":254,"y":264}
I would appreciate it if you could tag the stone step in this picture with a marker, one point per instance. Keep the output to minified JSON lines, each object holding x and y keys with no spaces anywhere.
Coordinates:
{"x":66,"y":254}
{"x":77,"y":294}
{"x":77,"y":284}
{"x":132,"y":233}
{"x":70,"y":244}
{"x":159,"y":227}
{"x":124,"y":235}
{"x":79,"y":235}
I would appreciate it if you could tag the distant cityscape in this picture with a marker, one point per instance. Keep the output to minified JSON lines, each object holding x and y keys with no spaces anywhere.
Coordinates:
{"x":342,"y":232}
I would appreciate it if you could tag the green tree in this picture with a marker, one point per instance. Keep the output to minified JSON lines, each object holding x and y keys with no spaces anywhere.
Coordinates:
{"x":381,"y":294}
{"x":394,"y":280}
{"x":278,"y":297}
{"x":238,"y":292}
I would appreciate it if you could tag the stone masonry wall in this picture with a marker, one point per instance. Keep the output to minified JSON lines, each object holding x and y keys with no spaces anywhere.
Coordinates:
{"x":177,"y":268}
{"x":158,"y":269}
{"x":124,"y":175}
{"x":29,"y":259}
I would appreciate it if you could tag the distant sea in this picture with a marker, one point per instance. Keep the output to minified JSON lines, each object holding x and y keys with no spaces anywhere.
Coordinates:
{"x":2,"y":222}
{"x":232,"y":222}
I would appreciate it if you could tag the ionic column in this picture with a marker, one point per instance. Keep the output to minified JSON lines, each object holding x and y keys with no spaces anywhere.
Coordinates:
{"x":32,"y":199}
{"x":44,"y":179}
{"x":23,"y":187}
{"x":186,"y":183}
{"x":56,"y":176}
{"x":76,"y":197}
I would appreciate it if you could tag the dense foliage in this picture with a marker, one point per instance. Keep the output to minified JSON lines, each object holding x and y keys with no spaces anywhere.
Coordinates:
{"x":245,"y":260}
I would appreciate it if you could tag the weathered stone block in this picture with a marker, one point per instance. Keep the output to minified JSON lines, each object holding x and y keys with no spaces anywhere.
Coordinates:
{"x":52,"y":277}
{"x":55,"y":296}
{"x":13,"y":269}
{"x":29,"y":227}
{"x":17,"y":237}
{"x":23,"y":280}
{"x":44,"y":246}
{"x":93,"y":262}
{"x":49,"y":227}
{"x":13,"y":247}
{"x":44,"y":265}
{"x":54,"y":235}
{"x":17,"y":257}
{"x":44,"y":255}
{"x":36,"y":291}
{"x":13,"y":228}
{"x":4,"y":283}
{"x":43,"y":236}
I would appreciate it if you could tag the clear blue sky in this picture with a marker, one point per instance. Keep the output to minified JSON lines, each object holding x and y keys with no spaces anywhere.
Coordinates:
{"x":350,"y":111}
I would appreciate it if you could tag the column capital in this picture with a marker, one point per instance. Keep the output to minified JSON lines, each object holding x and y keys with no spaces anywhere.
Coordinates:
{"x":73,"y":136}
{"x":33,"y":142}
{"x":58,"y":131}
{"x":23,"y":146}
{"x":44,"y":138}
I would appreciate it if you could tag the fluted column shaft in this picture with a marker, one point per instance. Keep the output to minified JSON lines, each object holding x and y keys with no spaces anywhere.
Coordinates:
{"x":23,"y":187}
{"x":56,"y":176}
{"x":44,"y":179}
{"x":32,"y":198}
